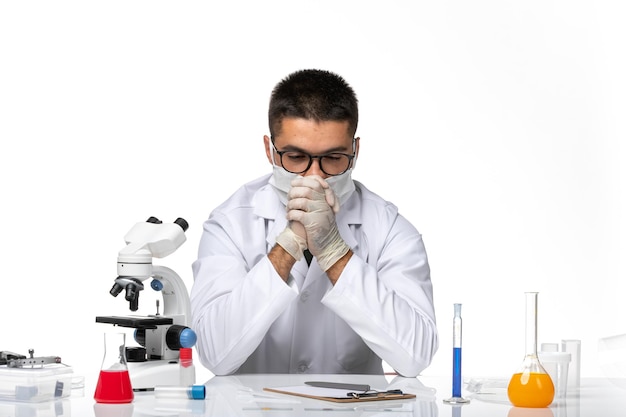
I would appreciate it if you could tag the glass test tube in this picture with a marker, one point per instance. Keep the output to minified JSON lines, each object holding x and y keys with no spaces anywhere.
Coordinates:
{"x":456,"y":347}
{"x":457,"y":330}
{"x":572,"y":346}
{"x":192,"y":392}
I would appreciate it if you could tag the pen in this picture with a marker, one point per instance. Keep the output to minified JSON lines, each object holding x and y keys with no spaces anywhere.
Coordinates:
{"x":329,"y":409}
{"x":266,"y":409}
{"x":339,"y":385}
{"x":368,"y":410}
{"x":389,"y":393}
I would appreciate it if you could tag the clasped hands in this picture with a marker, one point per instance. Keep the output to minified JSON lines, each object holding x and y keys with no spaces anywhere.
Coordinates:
{"x":311,"y":209}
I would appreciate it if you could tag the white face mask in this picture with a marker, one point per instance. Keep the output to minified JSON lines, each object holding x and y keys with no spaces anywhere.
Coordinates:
{"x":281,"y":181}
{"x":342,"y":185}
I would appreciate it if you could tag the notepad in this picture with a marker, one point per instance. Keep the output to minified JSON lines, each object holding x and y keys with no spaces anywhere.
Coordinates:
{"x":338,"y":395}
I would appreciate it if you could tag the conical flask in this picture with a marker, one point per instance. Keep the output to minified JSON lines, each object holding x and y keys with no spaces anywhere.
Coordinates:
{"x":531,"y":385}
{"x":114,"y":381}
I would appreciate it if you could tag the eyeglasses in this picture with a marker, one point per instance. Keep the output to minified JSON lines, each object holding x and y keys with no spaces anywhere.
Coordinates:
{"x":296,"y":162}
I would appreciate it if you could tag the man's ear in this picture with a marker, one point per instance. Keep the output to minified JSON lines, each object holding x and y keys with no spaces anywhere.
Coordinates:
{"x":268,"y":148}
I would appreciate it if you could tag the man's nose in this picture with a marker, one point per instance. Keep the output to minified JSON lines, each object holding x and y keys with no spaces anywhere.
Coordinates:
{"x":315,"y":169}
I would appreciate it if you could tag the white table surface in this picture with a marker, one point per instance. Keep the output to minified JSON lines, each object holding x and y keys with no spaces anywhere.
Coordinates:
{"x":243,"y":395}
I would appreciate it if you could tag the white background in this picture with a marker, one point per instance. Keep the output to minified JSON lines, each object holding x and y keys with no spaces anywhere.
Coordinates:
{"x":497,"y":127}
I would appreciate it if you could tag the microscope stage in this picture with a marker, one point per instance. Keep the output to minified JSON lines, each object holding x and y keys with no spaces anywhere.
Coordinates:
{"x":137,"y":322}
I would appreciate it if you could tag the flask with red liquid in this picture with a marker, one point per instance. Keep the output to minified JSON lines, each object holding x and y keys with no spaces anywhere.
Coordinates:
{"x":114,"y":385}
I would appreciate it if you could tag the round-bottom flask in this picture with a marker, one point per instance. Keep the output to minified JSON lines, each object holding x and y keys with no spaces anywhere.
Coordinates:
{"x":531,"y":385}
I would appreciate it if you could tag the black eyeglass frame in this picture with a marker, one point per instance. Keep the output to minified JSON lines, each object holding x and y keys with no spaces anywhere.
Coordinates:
{"x":318,"y":157}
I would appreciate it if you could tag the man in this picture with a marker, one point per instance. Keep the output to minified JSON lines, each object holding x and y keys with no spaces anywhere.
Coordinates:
{"x":305,"y":270}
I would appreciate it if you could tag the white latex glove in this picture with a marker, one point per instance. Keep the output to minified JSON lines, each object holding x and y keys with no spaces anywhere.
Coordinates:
{"x":313,"y":204}
{"x":294,"y":243}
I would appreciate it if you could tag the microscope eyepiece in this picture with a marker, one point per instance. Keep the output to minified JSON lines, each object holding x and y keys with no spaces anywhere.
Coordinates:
{"x":182,"y":223}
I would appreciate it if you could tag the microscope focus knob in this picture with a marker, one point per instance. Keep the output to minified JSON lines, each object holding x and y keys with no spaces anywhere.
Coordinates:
{"x":180,"y":337}
{"x":188,"y":338}
{"x":135,"y":354}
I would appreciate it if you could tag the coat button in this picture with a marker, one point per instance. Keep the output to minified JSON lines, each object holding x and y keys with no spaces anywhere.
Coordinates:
{"x":304,"y":296}
{"x":302,"y":368}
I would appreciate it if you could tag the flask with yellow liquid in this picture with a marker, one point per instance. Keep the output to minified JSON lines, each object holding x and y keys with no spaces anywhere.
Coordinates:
{"x":531,"y":385}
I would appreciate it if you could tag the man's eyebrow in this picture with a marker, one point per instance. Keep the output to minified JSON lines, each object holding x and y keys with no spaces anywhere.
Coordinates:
{"x":292,"y":148}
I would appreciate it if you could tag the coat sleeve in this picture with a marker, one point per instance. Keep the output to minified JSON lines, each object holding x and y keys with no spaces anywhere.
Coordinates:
{"x":232,"y":305}
{"x":388,"y":300}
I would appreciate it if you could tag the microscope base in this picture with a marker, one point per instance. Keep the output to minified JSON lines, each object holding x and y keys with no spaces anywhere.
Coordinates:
{"x":144,"y":376}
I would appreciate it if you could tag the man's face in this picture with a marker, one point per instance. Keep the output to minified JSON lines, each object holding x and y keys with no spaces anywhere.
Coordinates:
{"x":312,"y":138}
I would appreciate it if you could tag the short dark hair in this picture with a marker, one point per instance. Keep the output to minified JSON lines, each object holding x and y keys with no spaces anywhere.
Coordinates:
{"x":314,"y":95}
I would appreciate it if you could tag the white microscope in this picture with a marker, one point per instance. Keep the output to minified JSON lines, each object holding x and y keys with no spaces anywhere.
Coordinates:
{"x":155,"y":361}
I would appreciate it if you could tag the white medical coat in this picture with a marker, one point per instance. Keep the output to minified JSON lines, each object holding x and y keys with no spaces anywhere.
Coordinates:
{"x":248,"y":320}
